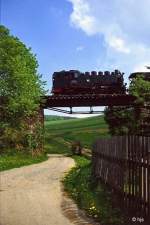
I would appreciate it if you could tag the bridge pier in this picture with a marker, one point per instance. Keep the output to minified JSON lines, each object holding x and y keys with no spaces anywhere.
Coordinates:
{"x":41,"y":115}
{"x":36,"y":130}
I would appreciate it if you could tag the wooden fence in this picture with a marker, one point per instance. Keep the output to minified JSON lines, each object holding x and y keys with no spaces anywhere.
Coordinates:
{"x":123,"y":163}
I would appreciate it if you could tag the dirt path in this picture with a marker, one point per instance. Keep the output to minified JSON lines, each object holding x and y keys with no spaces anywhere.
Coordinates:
{"x":32,"y":195}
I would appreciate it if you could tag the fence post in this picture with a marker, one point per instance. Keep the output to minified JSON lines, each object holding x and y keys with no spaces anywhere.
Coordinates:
{"x":123,"y":163}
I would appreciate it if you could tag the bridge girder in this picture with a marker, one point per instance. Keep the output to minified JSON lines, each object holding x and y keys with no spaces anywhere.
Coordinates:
{"x":87,"y":100}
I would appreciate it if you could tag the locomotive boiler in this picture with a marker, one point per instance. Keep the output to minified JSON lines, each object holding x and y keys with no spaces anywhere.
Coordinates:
{"x":74,"y":82}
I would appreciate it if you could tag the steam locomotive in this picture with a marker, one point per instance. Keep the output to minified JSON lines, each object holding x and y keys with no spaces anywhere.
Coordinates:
{"x":74,"y":82}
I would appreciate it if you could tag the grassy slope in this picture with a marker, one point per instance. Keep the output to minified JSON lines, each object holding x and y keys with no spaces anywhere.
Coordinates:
{"x":58,"y":133}
{"x":9,"y":161}
{"x":55,"y":118}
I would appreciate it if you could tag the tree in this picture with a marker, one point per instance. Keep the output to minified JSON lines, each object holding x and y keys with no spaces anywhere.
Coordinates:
{"x":20,"y":87}
{"x":127,"y":120}
{"x":140,"y":87}
{"x":121,"y":120}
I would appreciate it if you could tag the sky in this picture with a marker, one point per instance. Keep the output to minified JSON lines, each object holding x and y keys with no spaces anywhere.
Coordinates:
{"x":82,"y":34}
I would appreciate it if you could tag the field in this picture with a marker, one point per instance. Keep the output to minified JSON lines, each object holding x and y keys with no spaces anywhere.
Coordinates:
{"x":56,"y":118}
{"x":59,"y":133}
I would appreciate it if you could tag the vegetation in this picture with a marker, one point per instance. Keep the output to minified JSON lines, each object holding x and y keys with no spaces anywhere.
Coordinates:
{"x":55,"y":118}
{"x":141,"y":89}
{"x":96,"y":201}
{"x":59,"y":134}
{"x":121,"y":120}
{"x":57,"y":140}
{"x":20,"y":91}
{"x":15,"y":160}
{"x":127,"y":120}
{"x":78,"y":183}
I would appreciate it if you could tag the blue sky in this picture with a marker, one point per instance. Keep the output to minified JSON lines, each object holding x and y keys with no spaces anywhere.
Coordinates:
{"x":82,"y":34}
{"x":45,"y":27}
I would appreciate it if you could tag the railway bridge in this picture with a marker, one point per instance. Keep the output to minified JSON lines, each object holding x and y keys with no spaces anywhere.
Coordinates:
{"x":53,"y":102}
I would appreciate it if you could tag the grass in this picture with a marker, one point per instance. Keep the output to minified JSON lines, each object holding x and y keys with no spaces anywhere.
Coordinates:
{"x":16,"y":160}
{"x":58,"y":134}
{"x":55,"y":118}
{"x":96,"y":201}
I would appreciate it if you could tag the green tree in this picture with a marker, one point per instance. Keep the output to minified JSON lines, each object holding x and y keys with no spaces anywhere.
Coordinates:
{"x":127,"y":120}
{"x":20,"y":88}
{"x":140,"y":87}
{"x":121,"y":120}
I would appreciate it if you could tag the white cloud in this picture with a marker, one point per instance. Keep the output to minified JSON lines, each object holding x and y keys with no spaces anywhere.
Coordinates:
{"x":81,"y":17}
{"x":118,"y":44}
{"x":124,"y":26}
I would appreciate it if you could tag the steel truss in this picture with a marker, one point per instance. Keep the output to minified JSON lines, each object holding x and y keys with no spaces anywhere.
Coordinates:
{"x":91,"y":111}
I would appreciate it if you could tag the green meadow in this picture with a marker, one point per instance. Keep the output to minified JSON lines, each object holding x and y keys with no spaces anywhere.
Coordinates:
{"x":60,"y":133}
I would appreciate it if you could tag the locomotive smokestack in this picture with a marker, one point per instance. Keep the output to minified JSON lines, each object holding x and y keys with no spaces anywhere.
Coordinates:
{"x":94,"y":73}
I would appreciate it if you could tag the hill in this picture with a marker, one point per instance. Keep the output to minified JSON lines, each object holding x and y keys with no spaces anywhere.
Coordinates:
{"x":59,"y":133}
{"x":54,"y":118}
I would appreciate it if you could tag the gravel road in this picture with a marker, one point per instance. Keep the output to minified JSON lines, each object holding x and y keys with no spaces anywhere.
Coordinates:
{"x":32,"y":195}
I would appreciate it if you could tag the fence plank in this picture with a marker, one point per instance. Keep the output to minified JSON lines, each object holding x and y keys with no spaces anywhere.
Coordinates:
{"x":123,"y":163}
